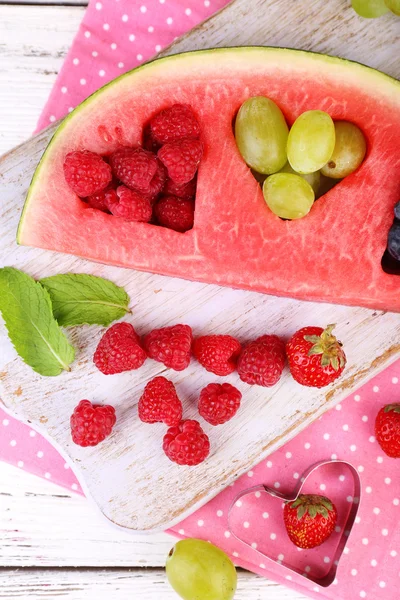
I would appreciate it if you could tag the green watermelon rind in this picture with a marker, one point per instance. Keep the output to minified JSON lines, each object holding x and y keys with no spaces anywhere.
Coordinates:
{"x":181,"y":56}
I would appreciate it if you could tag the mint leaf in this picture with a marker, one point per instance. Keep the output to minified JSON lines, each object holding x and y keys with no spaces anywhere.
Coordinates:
{"x":85,"y":299}
{"x":33,"y":330}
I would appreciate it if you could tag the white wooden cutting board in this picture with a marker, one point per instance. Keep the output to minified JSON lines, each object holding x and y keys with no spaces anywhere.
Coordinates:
{"x":130,"y":479}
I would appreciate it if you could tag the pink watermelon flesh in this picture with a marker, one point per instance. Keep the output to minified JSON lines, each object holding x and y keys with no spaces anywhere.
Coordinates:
{"x":334,"y":254}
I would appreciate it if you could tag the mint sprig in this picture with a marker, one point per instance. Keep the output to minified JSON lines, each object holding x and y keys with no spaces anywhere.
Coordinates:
{"x":79,"y":299}
{"x":27,"y":312}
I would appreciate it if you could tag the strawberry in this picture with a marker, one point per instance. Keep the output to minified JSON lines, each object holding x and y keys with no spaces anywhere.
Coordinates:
{"x":387,"y":429}
{"x":309,"y":520}
{"x":315,"y":356}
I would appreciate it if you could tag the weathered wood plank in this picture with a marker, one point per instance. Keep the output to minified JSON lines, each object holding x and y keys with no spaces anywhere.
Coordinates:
{"x":328,"y":27}
{"x":146,"y":584}
{"x":30,"y":59}
{"x":44,"y":525}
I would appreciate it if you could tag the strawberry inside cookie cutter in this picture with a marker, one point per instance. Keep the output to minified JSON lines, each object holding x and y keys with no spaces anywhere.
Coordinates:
{"x":255,"y":518}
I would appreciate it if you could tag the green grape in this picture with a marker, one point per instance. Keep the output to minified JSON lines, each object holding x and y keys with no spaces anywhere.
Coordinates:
{"x":312,"y":178}
{"x":288,"y":196}
{"x":349,"y":152}
{"x":370,"y":9}
{"x":311,"y":141}
{"x":261,"y":134}
{"x":197,"y":569}
{"x":394,"y":6}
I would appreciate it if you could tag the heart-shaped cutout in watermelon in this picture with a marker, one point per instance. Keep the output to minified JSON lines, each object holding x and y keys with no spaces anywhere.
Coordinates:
{"x":154,"y":182}
{"x":296,"y":165}
{"x":256,"y":519}
{"x":333,"y":254}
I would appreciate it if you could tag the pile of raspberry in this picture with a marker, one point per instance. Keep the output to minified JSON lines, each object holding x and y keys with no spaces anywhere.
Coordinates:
{"x":259,"y":362}
{"x":153,"y":183}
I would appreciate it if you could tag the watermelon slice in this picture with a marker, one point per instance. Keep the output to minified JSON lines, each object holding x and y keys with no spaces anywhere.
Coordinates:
{"x":334,"y":254}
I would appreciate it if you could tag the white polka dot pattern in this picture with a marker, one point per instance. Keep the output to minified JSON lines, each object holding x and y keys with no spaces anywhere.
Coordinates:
{"x":108,"y":33}
{"x":346,"y":434}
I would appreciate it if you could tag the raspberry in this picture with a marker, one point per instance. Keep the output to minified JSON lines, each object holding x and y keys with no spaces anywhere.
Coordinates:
{"x":170,"y":346}
{"x":86,"y":173}
{"x":158,"y":181}
{"x":91,"y":424}
{"x":160,"y":403}
{"x":130,"y":205}
{"x":149,"y":143}
{"x":218,"y":403}
{"x":186,"y":444}
{"x":181,"y":159}
{"x":262,"y":360}
{"x":175,"y":213}
{"x":174,"y":123}
{"x":135,"y":167}
{"x":102,"y":200}
{"x":119,"y":350}
{"x":217,"y":353}
{"x":186,"y":191}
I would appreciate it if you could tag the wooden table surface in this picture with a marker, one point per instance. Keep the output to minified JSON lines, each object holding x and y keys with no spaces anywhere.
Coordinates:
{"x":52,"y":543}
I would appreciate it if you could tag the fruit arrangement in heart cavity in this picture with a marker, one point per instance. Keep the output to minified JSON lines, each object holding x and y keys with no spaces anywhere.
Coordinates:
{"x":298,"y":165}
{"x":263,"y":521}
{"x":154,"y":183}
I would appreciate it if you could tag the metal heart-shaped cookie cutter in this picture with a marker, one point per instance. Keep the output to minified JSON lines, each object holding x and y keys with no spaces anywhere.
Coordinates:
{"x":330,"y":576}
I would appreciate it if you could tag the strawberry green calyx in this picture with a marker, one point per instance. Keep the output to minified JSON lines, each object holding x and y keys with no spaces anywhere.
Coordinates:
{"x":329,"y":347}
{"x":392,"y":407}
{"x":309,"y":520}
{"x":312,"y":505}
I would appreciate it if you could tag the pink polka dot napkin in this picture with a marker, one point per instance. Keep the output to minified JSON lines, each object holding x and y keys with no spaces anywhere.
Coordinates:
{"x":115,"y":36}
{"x":370,"y":564}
